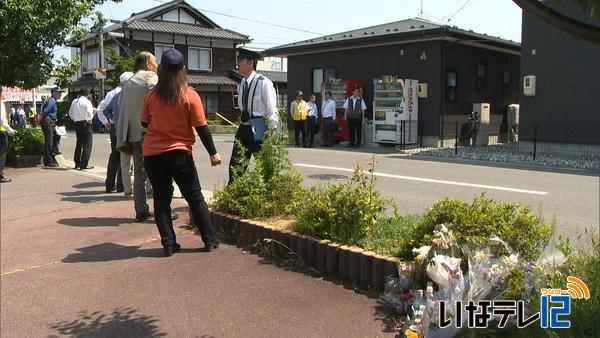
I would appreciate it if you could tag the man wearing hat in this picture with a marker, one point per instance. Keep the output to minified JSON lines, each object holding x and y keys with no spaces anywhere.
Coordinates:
{"x":5,"y":131}
{"x":49,"y":115}
{"x":299,"y":112}
{"x":107,"y":118}
{"x":257,"y":102}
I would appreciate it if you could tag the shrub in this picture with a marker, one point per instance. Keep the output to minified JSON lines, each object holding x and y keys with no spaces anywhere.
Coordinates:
{"x":27,"y":141}
{"x":475,"y":223}
{"x":390,"y":233}
{"x":345,"y":213}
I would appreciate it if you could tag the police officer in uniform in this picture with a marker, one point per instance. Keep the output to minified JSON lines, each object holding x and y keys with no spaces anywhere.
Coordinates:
{"x":258,"y":103}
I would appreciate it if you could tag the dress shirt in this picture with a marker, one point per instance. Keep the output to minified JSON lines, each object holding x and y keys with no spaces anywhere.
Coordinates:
{"x":264,"y":101}
{"x":81,"y":109}
{"x":4,"y":120}
{"x":104,"y":104}
{"x":328,"y":109}
{"x":363,"y":106}
{"x":312,"y":109}
{"x":21,"y":112}
{"x":49,"y":108}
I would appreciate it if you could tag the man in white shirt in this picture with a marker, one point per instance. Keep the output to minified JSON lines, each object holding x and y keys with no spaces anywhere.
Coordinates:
{"x":354,"y":109}
{"x":328,"y":114}
{"x":313,"y":114}
{"x":82,"y":113}
{"x":106,"y":116}
{"x":21,"y":115}
{"x":5,"y":131}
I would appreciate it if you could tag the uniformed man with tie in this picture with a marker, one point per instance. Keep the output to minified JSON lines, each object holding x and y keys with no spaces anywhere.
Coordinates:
{"x":257,"y":102}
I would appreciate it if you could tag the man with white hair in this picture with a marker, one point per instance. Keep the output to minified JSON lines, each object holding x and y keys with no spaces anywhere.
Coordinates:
{"x":108,"y":115}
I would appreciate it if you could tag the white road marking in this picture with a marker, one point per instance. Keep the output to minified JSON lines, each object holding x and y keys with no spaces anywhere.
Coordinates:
{"x":429,"y":180}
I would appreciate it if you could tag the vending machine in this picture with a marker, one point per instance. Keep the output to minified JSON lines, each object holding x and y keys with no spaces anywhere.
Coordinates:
{"x":395,"y":110}
{"x":340,"y":91}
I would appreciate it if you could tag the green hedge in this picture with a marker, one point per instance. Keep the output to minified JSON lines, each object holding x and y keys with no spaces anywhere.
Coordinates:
{"x":27,"y":141}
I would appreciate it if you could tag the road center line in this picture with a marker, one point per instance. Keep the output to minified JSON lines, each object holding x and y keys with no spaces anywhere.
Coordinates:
{"x":429,"y":180}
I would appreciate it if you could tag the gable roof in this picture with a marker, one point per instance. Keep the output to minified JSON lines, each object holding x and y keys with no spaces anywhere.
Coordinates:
{"x":398,"y":31}
{"x":143,"y":21}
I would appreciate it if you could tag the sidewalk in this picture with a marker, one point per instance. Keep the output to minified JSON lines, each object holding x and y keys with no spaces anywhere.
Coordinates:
{"x":74,"y":264}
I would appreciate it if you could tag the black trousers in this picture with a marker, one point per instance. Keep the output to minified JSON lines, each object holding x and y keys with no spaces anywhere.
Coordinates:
{"x":177,"y":165}
{"x":113,"y":170}
{"x":300,"y":127}
{"x":55,"y":143}
{"x":3,"y":151}
{"x":83,"y":147}
{"x":355,"y":126}
{"x":240,"y":157}
{"x":327,"y":131}
{"x":48,"y":125}
{"x":312,"y":130}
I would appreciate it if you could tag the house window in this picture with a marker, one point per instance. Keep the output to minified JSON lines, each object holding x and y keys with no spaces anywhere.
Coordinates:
{"x":282,"y":99}
{"x":210,"y":101}
{"x":90,"y":60}
{"x":451,"y":85}
{"x":480,"y":78}
{"x":505,"y":83}
{"x":199,"y":58}
{"x":319,"y":75}
{"x":159,"y":49}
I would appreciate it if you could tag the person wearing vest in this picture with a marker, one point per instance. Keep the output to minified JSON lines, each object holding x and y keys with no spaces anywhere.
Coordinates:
{"x":299,"y":112}
{"x":31,"y":115}
{"x":106,"y":116}
{"x":48,"y":122}
{"x":5,"y":131}
{"x":313,"y":117}
{"x":258,"y":105}
{"x":355,"y":107}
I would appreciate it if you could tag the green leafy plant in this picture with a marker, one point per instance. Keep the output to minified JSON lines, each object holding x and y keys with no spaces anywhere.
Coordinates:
{"x":475,"y":223}
{"x":390,"y":233}
{"x":345,"y":213}
{"x":27,"y":141}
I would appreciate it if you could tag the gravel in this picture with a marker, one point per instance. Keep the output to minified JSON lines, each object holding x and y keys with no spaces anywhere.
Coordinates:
{"x":501,"y":153}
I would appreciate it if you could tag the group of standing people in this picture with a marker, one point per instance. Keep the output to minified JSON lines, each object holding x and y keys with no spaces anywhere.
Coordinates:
{"x":305,"y":116}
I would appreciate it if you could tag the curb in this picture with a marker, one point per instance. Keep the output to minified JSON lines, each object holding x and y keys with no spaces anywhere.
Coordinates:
{"x":354,"y":266}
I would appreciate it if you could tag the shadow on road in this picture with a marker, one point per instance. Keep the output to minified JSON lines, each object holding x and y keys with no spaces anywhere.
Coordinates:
{"x":107,"y":252}
{"x":95,"y":222}
{"x":122,"y":322}
{"x":88,"y":185}
{"x":93,"y":197}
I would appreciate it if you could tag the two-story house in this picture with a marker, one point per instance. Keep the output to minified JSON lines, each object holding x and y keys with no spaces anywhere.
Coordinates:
{"x":209,"y":50}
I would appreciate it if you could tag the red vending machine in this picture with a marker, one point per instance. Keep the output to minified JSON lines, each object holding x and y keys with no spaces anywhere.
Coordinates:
{"x":340,"y":90}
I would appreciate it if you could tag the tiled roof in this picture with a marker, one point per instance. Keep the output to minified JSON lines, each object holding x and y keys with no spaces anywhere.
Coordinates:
{"x":275,"y":76}
{"x":185,"y":29}
{"x":208,"y":79}
{"x":413,"y":28}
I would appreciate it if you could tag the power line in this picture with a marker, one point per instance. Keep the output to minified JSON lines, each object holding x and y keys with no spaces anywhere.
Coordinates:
{"x":460,"y":9}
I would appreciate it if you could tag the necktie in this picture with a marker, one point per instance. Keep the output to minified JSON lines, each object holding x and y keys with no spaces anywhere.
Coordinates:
{"x":245,"y":92}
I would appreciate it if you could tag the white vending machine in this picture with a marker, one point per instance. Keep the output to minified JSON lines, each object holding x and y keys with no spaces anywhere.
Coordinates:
{"x":395,"y":111}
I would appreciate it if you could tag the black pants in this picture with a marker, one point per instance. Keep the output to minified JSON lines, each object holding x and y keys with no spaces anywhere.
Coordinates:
{"x":83,"y":147}
{"x":312,"y":130}
{"x":3,"y":151}
{"x":177,"y":165}
{"x":355,"y":126}
{"x":300,"y":127}
{"x":327,"y":131}
{"x":239,"y":161}
{"x":113,"y":170}
{"x":48,"y":125}
{"x":55,"y":143}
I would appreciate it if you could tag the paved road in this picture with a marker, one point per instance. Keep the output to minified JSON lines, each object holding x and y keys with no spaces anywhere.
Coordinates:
{"x":570,"y":198}
{"x":74,"y":265}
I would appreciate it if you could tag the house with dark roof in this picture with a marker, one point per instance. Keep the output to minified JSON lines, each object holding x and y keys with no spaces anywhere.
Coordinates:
{"x":460,"y":68}
{"x":562,"y":103}
{"x":208,"y":49}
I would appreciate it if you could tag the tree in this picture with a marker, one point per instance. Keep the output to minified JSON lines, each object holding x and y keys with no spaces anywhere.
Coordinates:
{"x":121,"y":64}
{"x":30,"y":29}
{"x":577,"y":29}
{"x":65,"y":71}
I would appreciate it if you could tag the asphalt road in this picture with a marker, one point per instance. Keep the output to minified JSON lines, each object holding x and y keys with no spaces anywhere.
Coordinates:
{"x":569,"y":198}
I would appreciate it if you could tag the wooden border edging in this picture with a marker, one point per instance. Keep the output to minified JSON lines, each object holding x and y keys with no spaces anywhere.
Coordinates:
{"x":350,"y":265}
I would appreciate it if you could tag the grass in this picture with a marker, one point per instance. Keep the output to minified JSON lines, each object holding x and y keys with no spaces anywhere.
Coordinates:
{"x":390,"y":233}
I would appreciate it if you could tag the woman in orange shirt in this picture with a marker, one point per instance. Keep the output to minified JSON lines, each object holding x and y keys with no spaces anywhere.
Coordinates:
{"x":171,"y":112}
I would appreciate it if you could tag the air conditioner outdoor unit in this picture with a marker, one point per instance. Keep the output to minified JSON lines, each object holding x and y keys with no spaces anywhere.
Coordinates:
{"x":512,"y":118}
{"x":422,"y":90}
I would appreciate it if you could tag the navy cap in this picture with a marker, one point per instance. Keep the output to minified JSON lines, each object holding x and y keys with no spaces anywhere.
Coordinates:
{"x":56,"y":89}
{"x":172,"y":59}
{"x":243,"y":53}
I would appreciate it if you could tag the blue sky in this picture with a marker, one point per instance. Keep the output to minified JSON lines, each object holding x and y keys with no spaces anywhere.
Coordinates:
{"x":500,"y":18}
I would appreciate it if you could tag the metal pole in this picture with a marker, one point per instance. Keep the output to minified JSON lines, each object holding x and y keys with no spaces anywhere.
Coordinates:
{"x":101,"y":63}
{"x":534,"y":141}
{"x":456,"y":138}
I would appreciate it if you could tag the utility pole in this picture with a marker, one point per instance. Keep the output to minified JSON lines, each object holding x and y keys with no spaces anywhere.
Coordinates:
{"x":101,"y":63}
